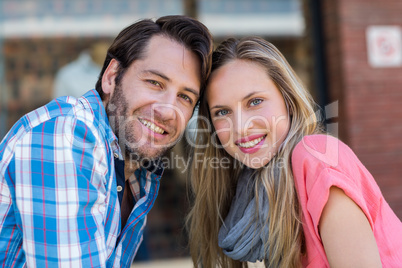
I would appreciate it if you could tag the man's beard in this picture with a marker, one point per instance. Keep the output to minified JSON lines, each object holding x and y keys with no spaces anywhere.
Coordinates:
{"x":117,"y":111}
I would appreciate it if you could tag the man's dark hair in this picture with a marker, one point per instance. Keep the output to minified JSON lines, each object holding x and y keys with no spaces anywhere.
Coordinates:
{"x":131,"y":43}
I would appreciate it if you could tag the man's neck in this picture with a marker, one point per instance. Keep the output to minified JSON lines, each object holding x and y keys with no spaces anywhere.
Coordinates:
{"x":130,"y":167}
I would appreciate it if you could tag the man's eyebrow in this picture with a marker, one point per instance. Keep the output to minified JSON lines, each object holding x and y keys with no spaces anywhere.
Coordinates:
{"x":154,"y":72}
{"x":197,"y":95}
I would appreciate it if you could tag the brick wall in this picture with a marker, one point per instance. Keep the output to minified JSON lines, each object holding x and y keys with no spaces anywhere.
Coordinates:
{"x":370,"y":99}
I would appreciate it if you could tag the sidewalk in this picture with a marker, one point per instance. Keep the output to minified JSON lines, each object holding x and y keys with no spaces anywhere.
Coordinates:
{"x":169,"y":263}
{"x":177,"y":263}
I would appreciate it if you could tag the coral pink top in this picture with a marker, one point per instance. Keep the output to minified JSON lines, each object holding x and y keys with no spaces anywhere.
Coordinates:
{"x":321,"y":161}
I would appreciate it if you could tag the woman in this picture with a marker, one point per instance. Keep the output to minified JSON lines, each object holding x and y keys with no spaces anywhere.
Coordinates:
{"x":268,"y":185}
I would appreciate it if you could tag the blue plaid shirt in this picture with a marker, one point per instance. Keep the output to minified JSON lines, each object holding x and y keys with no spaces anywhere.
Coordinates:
{"x":59,"y":204}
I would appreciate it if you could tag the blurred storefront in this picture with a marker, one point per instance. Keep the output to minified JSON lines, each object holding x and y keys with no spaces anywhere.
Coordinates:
{"x":39,"y":37}
{"x":43,"y":40}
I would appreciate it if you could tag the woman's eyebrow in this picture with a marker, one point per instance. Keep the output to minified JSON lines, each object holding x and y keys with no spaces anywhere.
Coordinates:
{"x":217,"y":106}
{"x":251,"y":94}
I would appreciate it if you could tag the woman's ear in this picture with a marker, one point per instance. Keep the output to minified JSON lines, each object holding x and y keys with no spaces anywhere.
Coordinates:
{"x":109,"y":76}
{"x":288,"y":107}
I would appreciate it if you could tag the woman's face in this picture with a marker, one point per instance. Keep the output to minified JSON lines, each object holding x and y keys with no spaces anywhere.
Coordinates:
{"x":248,"y":112}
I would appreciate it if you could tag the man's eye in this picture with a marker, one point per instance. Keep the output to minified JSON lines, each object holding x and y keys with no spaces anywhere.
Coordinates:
{"x":255,"y":102}
{"x":186,"y":98}
{"x":155,"y":83}
{"x":221,"y":112}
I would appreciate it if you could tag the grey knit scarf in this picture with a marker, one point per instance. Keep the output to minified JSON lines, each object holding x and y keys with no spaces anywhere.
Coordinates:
{"x":242,"y":236}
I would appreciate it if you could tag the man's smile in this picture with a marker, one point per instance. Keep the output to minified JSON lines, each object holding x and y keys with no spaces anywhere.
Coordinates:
{"x":152,"y":126}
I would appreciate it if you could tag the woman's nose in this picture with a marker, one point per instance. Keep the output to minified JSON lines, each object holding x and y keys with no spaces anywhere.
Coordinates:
{"x":243,"y":124}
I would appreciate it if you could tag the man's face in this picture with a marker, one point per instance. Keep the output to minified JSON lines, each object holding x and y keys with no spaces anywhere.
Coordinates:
{"x":150,"y":107}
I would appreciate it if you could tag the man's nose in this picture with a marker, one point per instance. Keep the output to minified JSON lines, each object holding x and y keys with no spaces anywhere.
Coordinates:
{"x":166,"y":109}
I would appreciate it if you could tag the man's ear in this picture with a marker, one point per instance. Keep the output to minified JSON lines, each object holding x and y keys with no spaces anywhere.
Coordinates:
{"x":109,"y":76}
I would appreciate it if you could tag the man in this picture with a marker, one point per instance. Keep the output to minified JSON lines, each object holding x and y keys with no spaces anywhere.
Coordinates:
{"x":78,"y":176}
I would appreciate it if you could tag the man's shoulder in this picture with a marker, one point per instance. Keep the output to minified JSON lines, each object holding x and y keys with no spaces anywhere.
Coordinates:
{"x":87,"y":109}
{"x":58,"y":115}
{"x":76,"y":121}
{"x":56,"y":109}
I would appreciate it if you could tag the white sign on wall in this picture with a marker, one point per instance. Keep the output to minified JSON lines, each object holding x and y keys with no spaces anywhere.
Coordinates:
{"x":384,"y":46}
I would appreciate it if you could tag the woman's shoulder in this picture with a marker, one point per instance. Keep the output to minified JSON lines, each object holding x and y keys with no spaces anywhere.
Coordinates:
{"x":318,"y":156}
{"x":315,"y":153}
{"x":321,"y":149}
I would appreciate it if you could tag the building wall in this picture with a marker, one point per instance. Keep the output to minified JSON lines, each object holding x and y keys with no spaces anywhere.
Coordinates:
{"x":370,"y":99}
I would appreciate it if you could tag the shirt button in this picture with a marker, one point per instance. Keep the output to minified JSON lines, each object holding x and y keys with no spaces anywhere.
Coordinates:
{"x":115,"y":155}
{"x":119,"y":188}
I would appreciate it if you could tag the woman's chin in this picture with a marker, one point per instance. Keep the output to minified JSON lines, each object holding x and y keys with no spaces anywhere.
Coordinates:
{"x":254,"y":163}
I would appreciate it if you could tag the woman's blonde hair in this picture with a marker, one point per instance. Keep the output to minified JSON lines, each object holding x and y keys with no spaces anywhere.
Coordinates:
{"x":213,"y":188}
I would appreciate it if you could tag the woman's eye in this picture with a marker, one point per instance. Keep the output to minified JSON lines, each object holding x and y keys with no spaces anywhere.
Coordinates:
{"x":221,"y":112}
{"x":255,"y":102}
